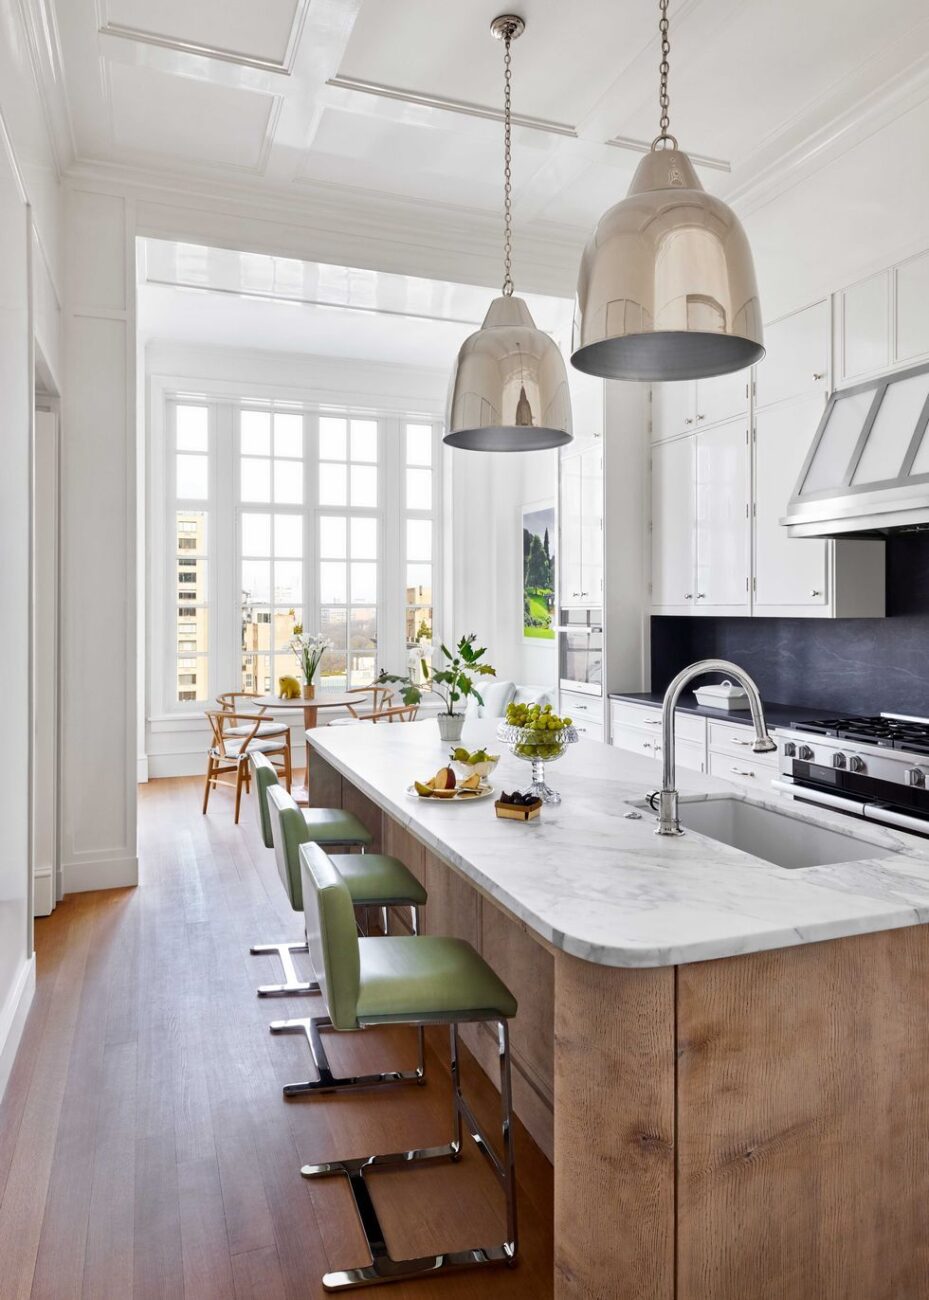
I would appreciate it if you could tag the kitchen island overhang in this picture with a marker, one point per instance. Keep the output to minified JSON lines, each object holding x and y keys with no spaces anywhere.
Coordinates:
{"x":725,"y":1059}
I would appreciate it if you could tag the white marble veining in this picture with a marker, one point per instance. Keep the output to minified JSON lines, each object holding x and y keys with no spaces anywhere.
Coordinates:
{"x":605,"y":888}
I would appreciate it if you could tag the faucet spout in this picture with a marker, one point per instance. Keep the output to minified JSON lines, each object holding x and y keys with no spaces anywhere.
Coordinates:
{"x":668,"y":820}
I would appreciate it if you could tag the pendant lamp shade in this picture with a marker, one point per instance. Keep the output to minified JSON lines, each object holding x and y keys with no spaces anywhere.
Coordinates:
{"x":509,"y":386}
{"x":667,"y":288}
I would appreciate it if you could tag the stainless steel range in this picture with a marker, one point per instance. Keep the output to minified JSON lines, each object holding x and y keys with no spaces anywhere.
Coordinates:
{"x":876,"y":768}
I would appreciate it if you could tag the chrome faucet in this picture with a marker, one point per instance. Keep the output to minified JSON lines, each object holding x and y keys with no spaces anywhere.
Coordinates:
{"x":668,"y":821}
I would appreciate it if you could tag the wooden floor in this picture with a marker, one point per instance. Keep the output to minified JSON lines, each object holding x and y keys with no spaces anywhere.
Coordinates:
{"x":145,"y":1147}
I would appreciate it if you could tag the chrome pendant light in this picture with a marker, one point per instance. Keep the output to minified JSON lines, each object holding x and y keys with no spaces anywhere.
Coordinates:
{"x":509,"y":388}
{"x":666,"y":288}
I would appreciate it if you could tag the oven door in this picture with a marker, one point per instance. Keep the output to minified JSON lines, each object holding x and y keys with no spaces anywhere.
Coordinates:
{"x":581,"y":660}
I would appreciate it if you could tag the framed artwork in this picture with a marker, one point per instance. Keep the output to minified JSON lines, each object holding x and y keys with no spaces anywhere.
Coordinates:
{"x":539,"y":541}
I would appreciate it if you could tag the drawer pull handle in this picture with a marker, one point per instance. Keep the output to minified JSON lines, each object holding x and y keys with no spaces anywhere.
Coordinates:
{"x":741,"y":771}
{"x":745,"y":743}
{"x":653,"y":722}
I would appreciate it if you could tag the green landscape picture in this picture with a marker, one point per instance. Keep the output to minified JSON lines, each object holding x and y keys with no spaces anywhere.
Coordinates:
{"x":539,"y":573}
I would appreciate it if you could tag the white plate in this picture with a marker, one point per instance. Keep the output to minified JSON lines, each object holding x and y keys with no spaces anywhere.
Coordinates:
{"x":485,"y":790}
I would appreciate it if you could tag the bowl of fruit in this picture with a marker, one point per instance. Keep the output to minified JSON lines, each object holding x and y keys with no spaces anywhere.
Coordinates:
{"x":471,"y":762}
{"x":537,"y":735}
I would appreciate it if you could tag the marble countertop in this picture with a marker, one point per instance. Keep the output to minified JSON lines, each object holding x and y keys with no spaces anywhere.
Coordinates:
{"x":593,"y":882}
{"x":776,"y":715}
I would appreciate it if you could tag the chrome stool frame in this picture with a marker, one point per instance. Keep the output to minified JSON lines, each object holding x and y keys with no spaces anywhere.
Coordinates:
{"x":383,"y":1267}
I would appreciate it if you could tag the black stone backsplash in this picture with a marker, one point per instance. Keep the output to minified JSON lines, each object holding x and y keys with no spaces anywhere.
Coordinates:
{"x":860,"y":665}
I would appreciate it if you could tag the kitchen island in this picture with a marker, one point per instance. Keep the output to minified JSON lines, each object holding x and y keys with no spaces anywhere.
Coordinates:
{"x":726,"y":1059}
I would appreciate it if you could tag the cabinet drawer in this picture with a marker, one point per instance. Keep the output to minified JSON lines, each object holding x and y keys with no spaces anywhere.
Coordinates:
{"x":743,"y":770}
{"x":635,"y":739}
{"x":582,"y":706}
{"x":687,"y":726}
{"x":732,"y":739}
{"x":589,"y":730}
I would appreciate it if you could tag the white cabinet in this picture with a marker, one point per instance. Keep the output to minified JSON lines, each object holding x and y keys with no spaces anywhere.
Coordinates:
{"x":586,"y":408}
{"x":673,"y":409}
{"x":637,"y":728}
{"x":790,"y":572}
{"x":722,"y":548}
{"x":581,"y":522}
{"x":723,"y":397}
{"x":569,"y":518}
{"x":796,"y":360}
{"x":862,"y":328}
{"x":911,"y":283}
{"x":673,"y":538}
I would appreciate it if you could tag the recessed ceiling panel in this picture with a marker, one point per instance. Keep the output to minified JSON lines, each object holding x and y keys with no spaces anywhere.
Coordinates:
{"x":191,"y":121}
{"x":251,"y":29}
{"x":435,"y":160}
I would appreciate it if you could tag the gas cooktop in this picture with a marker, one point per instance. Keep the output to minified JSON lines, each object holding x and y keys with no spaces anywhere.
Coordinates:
{"x":887,"y":730}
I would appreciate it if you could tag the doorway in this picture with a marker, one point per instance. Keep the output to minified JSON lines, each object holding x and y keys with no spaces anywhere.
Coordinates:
{"x":46,"y":861}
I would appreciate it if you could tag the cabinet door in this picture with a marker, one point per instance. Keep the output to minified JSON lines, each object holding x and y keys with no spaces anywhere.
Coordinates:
{"x":592,"y":525}
{"x":788,"y":570}
{"x":722,"y":519}
{"x":673,"y":524}
{"x":586,"y":407}
{"x":864,"y":327}
{"x":673,"y":410}
{"x":796,"y":360}
{"x":569,"y":561}
{"x":912,"y":298}
{"x":723,"y":397}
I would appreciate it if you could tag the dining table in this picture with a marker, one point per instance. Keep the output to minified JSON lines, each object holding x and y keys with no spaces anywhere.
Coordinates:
{"x":310,"y":709}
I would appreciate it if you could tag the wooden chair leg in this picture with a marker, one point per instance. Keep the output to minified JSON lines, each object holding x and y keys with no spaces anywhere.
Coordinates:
{"x":209,"y":780}
{"x":288,"y":767}
{"x":239,"y":781}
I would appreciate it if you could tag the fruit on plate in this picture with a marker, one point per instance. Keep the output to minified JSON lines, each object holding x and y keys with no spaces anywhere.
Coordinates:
{"x":535,"y":717}
{"x":444,"y":794}
{"x":444,"y":779}
{"x":472,"y":782}
{"x":424,"y":791}
{"x":473,"y":758}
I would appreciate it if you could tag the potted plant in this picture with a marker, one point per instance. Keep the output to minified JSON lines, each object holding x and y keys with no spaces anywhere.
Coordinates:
{"x":449,"y":683}
{"x":309,"y":649}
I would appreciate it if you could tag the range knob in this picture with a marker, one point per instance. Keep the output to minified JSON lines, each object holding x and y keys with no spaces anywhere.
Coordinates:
{"x":805,"y":753}
{"x":839,"y":760}
{"x":856,"y":764}
{"x":790,"y":749}
{"x":915,"y":776}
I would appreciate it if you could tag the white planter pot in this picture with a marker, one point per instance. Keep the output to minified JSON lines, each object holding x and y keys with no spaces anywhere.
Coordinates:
{"x":450,"y":725}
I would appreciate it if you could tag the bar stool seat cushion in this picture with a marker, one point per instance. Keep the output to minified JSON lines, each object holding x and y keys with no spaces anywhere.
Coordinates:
{"x":335,"y":826}
{"x":426,"y":977}
{"x":380,"y":879}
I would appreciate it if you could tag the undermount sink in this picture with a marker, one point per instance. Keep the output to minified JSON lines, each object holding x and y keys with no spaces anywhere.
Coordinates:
{"x":772,"y":835}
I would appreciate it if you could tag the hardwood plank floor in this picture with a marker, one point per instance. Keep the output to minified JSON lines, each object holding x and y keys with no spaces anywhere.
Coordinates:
{"x":145,"y":1147}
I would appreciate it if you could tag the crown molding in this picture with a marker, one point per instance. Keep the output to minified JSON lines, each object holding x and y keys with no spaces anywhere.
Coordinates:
{"x":43,"y":44}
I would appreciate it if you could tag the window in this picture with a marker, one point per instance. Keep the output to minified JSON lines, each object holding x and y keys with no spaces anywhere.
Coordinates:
{"x":281,"y":514}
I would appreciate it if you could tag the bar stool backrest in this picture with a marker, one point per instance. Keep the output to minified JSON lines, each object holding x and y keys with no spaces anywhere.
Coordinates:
{"x":288,"y":831}
{"x":331,"y":935}
{"x":265,"y":775}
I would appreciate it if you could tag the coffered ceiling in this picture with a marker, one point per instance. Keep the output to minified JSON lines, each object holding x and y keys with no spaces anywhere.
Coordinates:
{"x":367,"y":98}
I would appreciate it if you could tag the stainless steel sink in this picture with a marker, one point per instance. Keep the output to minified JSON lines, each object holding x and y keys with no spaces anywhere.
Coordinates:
{"x":775,"y":836}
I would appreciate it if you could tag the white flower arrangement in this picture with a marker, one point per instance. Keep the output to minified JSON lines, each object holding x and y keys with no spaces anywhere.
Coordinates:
{"x":309,"y":648}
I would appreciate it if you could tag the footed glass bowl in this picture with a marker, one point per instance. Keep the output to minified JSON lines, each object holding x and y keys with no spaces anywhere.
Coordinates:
{"x":538,"y":748}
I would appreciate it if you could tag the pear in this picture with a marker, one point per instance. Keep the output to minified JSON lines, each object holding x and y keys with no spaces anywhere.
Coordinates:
{"x":424,"y":791}
{"x":444,"y":779}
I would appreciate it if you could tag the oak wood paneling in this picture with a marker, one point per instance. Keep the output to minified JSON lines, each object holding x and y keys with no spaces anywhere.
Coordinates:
{"x":804,"y":1122}
{"x":614,"y":1132}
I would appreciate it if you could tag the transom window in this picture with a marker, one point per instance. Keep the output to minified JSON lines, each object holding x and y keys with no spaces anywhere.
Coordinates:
{"x":282,"y":515}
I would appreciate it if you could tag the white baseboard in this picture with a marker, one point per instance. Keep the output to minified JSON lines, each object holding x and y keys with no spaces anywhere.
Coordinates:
{"x":142,"y":769}
{"x":108,"y":873}
{"x":43,"y":891}
{"x":162,"y":765}
{"x":13,"y":1018}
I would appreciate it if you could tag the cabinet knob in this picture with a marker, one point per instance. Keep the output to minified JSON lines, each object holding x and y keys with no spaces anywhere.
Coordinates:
{"x":701,"y":595}
{"x":700,"y":417}
{"x":814,"y":592}
{"x":688,"y":420}
{"x":819,"y":374}
{"x":688,"y":595}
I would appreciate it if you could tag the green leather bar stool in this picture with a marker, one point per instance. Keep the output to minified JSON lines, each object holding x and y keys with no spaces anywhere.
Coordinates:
{"x":331,"y":826}
{"x":372,"y":880}
{"x":420,"y":980}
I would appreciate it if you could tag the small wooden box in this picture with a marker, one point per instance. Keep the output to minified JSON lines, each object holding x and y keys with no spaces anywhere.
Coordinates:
{"x":518,"y":812}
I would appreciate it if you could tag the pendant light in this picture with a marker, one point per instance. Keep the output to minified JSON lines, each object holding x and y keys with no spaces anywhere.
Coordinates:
{"x":509,"y":388}
{"x":666,"y":288}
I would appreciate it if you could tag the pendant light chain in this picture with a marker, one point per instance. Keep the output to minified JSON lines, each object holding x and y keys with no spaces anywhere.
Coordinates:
{"x":507,"y":174}
{"x":664,"y":101}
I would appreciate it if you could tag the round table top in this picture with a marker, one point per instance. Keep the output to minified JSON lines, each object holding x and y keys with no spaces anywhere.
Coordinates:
{"x":322,"y":700}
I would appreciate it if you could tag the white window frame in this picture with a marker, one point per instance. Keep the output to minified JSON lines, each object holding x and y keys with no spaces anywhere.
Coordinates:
{"x":224,"y":400}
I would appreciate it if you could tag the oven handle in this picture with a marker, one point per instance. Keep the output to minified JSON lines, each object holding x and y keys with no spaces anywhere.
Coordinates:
{"x":583,"y":629}
{"x":890,"y":816}
{"x":819,"y":796}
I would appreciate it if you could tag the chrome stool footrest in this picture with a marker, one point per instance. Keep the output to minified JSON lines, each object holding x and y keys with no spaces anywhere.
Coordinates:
{"x":383,"y":1268}
{"x":310,"y":1027}
{"x":293,"y":984}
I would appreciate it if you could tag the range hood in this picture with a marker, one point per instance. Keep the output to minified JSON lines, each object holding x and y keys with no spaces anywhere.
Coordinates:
{"x":868,"y":468}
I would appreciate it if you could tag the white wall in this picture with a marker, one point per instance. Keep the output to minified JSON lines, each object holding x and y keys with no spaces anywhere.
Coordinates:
{"x":29,"y":275}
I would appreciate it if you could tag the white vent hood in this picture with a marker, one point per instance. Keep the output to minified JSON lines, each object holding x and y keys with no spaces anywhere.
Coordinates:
{"x":868,"y":467}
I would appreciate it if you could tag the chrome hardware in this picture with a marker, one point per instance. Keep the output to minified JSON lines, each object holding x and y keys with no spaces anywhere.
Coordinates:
{"x":688,"y":420}
{"x":747,"y":744}
{"x":856,"y":764}
{"x":701,"y":417}
{"x":741,"y":771}
{"x":814,"y":592}
{"x":838,"y":760}
{"x":819,"y":374}
{"x":688,"y":595}
{"x":790,"y":749}
{"x":667,"y":797}
{"x":805,"y":754}
{"x":633,"y":816}
{"x":916,"y":777}
{"x":701,"y":595}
